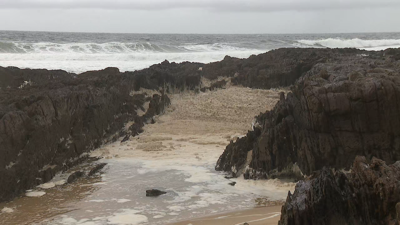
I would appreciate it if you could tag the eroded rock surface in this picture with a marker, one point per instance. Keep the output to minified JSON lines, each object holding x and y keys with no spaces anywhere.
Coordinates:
{"x":369,"y":194}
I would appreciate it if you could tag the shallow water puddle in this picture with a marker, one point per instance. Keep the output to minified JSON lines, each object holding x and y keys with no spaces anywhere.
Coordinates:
{"x":118,"y":196}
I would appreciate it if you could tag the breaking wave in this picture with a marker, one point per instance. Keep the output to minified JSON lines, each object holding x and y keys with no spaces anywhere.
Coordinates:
{"x":351,"y":43}
{"x":112,"y":48}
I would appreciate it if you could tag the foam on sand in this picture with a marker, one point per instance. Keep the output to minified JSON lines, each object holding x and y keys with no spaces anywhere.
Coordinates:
{"x":7,"y":210}
{"x":127,"y":217}
{"x":189,"y":138}
{"x":35,"y":193}
{"x":47,"y":185}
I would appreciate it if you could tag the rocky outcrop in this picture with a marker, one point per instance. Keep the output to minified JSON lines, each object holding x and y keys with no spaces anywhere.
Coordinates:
{"x":368,"y":194}
{"x":344,"y":106}
{"x":50,"y":119}
{"x":277,"y":68}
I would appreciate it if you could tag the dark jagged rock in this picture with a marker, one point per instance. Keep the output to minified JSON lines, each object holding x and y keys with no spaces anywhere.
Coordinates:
{"x":96,"y":169}
{"x":48,"y":119}
{"x":277,"y":68}
{"x":154,"y":193}
{"x":232,"y":183}
{"x":346,"y":105}
{"x":369,"y":194}
{"x":74,"y":176}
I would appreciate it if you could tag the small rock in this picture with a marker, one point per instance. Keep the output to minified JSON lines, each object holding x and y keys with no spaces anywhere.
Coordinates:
{"x":97,"y":168}
{"x":245,"y":224}
{"x":232,"y":183}
{"x":74,"y":176}
{"x":228,"y":177}
{"x":154,"y":193}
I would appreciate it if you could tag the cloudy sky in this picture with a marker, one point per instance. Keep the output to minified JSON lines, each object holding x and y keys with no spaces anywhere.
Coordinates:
{"x":201,"y":16}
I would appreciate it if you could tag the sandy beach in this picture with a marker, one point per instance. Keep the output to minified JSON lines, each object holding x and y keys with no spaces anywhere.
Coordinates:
{"x":257,"y":216}
{"x":176,"y":154}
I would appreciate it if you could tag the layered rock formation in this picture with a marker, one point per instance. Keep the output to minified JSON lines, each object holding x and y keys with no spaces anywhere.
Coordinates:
{"x":369,"y":194}
{"x":345,"y":105}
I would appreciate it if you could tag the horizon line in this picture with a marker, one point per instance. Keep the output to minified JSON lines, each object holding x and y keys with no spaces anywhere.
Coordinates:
{"x":103,"y":32}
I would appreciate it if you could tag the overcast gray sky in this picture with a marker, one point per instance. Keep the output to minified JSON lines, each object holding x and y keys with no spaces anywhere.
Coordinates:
{"x":201,"y":16}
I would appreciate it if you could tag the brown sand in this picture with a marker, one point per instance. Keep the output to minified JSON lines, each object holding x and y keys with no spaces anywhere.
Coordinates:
{"x":257,"y":216}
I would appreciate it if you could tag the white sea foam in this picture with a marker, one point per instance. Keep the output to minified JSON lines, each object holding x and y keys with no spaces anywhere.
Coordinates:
{"x":78,"y":63}
{"x":352,"y":43}
{"x":7,"y":210}
{"x":127,"y":217}
{"x":80,"y":57}
{"x":123,"y":200}
{"x":47,"y":185}
{"x":60,"y":182}
{"x":35,"y":193}
{"x":97,"y":200}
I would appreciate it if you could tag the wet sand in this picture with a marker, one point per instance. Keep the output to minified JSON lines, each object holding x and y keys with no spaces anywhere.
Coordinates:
{"x":258,"y":216}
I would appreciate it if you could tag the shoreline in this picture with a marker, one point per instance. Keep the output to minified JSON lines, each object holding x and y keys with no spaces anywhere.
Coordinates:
{"x":264,"y":215}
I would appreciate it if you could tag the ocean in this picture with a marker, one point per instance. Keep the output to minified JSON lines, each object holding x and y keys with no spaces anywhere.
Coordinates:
{"x":79,"y":52}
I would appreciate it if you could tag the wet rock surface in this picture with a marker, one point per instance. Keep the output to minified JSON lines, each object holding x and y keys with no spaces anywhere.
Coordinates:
{"x":154,"y":193}
{"x":75,"y":176}
{"x":344,"y":106}
{"x":369,"y":194}
{"x":96,"y":169}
